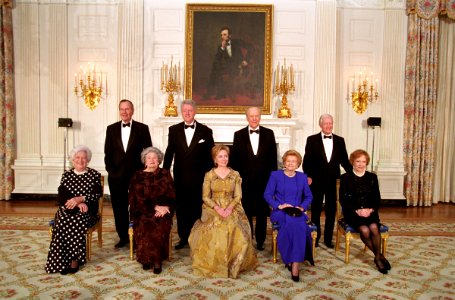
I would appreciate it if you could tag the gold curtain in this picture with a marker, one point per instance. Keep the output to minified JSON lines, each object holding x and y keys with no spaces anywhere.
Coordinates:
{"x":428,"y":9}
{"x":420,"y":99}
{"x":444,"y":176}
{"x":7,"y":112}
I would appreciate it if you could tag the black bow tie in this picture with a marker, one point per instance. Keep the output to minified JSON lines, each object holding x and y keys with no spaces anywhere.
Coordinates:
{"x":126,"y":124}
{"x":327,"y":136}
{"x":254,"y":131}
{"x":189,"y":126}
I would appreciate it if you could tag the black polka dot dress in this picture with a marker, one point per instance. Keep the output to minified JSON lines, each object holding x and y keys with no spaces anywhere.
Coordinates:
{"x":68,"y":235}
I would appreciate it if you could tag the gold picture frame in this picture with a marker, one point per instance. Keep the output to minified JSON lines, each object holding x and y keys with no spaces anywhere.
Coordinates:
{"x":227,"y":80}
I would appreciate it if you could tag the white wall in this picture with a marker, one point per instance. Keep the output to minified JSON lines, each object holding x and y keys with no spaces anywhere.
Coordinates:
{"x":326,"y":41}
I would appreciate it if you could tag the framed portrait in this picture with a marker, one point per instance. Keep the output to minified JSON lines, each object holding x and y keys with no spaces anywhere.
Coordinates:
{"x":228,"y":57}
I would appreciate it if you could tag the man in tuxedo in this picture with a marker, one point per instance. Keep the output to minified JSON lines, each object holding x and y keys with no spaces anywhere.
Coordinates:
{"x":230,"y":67}
{"x":254,"y":156}
{"x":189,"y":146}
{"x":124,"y":143}
{"x":324,"y":153}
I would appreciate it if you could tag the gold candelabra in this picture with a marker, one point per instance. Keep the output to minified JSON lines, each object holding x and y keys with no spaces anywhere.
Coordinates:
{"x":88,"y":85}
{"x":362,"y":91}
{"x":170,"y":84}
{"x":284,"y":86}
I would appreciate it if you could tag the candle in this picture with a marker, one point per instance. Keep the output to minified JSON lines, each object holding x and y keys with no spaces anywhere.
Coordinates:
{"x":179,"y":75}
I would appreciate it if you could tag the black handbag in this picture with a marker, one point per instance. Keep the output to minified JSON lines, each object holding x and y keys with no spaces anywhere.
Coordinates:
{"x":293,"y":211}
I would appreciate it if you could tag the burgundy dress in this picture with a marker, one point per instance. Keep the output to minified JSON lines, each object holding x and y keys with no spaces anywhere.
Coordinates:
{"x":151,"y":234}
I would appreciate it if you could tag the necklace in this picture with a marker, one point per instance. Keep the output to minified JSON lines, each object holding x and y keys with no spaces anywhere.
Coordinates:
{"x":359,"y":174}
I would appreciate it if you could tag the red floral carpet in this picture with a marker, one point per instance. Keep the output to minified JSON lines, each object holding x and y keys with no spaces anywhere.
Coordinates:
{"x":423,"y":267}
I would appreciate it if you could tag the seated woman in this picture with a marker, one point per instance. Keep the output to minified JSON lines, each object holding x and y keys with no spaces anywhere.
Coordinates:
{"x":151,"y":198}
{"x":78,"y":195}
{"x":360,"y":199}
{"x":289,"y":195}
{"x":220,"y":242}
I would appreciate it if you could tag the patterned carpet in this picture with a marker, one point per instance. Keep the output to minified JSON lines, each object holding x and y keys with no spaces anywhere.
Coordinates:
{"x":423,"y":267}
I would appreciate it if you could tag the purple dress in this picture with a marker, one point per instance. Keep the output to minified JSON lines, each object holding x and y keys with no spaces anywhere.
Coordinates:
{"x":294,"y":236}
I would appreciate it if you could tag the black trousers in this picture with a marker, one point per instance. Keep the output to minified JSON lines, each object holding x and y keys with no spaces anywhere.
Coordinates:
{"x":119,"y":198}
{"x":329,"y":191}
{"x":189,"y":207}
{"x":261,"y":212}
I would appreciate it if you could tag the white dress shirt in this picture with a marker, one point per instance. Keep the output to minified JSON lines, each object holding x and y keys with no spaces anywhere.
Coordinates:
{"x":254,"y":140}
{"x":189,"y":133}
{"x":126,"y":131}
{"x":328,"y":146}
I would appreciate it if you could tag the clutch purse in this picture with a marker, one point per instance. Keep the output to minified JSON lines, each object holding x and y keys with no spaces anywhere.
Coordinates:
{"x":293,"y":211}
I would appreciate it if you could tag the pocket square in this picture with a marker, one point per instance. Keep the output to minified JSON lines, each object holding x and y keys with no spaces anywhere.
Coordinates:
{"x":201,"y":141}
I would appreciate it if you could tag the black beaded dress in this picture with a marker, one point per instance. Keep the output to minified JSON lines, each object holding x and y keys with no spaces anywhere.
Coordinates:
{"x":68,"y":235}
{"x":360,"y":192}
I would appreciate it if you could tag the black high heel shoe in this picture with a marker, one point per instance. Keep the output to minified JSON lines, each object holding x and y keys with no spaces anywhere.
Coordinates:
{"x":386,"y":263}
{"x":295,"y":278}
{"x":157,"y":270}
{"x":289,"y":267}
{"x":382,"y":268}
{"x":73,"y":270}
{"x":65,"y":271}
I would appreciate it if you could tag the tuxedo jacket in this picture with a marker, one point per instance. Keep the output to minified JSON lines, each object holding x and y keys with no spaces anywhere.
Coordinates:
{"x":254,"y":169}
{"x":315,"y":163}
{"x":190,"y":162}
{"x":118,"y":162}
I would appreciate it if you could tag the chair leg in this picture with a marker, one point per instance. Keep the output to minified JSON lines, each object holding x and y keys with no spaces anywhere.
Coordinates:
{"x":337,"y":240}
{"x":100,"y":235}
{"x":314,"y":236}
{"x":274,"y":245}
{"x":89,"y":245}
{"x":384,"y":246}
{"x":170,"y":246}
{"x":131,"y":233}
{"x":346,"y":251}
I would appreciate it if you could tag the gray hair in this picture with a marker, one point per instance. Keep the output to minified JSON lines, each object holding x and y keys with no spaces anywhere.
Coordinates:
{"x":127,"y":101}
{"x":324,"y":116}
{"x":253,"y":107}
{"x":81,"y":148}
{"x":152,"y":150}
{"x":188,"y":102}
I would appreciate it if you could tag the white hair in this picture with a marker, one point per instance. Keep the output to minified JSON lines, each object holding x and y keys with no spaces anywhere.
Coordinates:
{"x":81,"y":148}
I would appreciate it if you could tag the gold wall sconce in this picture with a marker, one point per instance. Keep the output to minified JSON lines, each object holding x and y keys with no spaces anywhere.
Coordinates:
{"x":170,"y":84}
{"x":362,"y":91}
{"x":88,"y":85}
{"x":284,"y":86}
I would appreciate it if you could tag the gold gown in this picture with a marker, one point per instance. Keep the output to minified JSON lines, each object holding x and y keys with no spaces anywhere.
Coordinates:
{"x":222,"y":247}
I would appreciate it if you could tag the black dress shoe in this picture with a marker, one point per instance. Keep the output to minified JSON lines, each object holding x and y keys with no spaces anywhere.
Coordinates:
{"x":386,"y":263}
{"x":121,"y":244}
{"x":146,"y":267}
{"x":65,"y":271}
{"x":73,"y":270}
{"x":381,"y":268}
{"x":180,"y":245}
{"x":311,"y":261}
{"x":330,"y":246}
{"x":260,"y":247}
{"x":157,"y":270}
